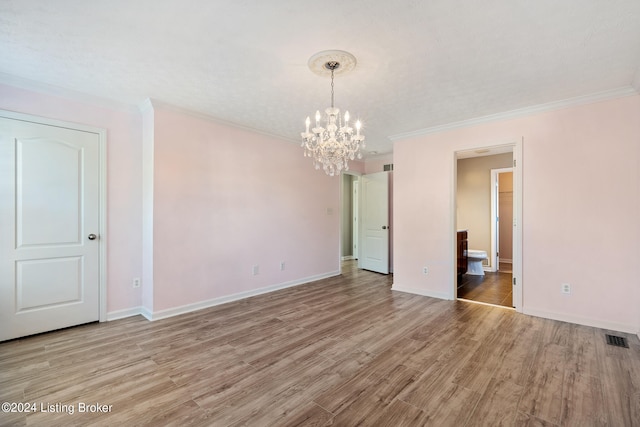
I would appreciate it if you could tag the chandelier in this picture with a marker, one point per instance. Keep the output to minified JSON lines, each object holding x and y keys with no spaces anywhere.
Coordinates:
{"x":333,"y":145}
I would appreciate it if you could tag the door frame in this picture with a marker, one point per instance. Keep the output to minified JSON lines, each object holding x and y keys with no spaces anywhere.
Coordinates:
{"x":495,"y":228}
{"x":355,"y":220}
{"x":516,"y":147}
{"x":362,"y":234}
{"x":342,"y":197}
{"x":102,"y":189}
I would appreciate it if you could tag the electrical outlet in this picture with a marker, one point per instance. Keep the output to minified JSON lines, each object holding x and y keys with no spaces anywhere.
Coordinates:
{"x":565,"y":288}
{"x":256,"y":269}
{"x":425,"y":270}
{"x":136,"y":282}
{"x":282,"y":265}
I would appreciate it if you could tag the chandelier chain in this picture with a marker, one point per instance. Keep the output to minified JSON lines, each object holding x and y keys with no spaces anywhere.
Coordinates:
{"x":331,"y":87}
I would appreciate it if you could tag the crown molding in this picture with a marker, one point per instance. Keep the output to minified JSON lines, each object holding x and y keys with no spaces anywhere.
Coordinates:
{"x":541,"y":108}
{"x":387,"y":155}
{"x":48,"y":89}
{"x":151,"y":103}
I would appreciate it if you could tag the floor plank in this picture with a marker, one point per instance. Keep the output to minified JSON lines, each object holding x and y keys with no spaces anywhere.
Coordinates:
{"x":341,"y":351}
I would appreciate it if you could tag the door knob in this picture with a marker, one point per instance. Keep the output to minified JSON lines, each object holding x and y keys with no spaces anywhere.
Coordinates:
{"x":384,"y":227}
{"x":92,"y":236}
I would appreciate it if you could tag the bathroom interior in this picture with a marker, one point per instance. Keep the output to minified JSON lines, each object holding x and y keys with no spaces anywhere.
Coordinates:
{"x":484,"y":220}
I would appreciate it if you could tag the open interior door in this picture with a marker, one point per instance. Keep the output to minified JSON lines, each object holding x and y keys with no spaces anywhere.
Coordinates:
{"x":374,"y":222}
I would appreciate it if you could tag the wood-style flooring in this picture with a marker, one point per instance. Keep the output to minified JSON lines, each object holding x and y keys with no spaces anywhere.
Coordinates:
{"x":343,"y":351}
{"x":492,"y":288}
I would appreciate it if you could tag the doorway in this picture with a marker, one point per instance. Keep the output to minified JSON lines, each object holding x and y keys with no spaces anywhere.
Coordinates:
{"x":374,"y":230}
{"x":476,"y":211}
{"x":502,"y":219}
{"x":365,"y":220}
{"x":349,"y":205}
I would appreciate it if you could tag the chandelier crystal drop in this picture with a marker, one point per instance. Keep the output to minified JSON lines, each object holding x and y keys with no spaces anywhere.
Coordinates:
{"x":333,"y":145}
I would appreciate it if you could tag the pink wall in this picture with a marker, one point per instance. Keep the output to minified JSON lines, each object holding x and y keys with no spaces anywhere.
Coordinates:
{"x":123,"y":180}
{"x":587,"y":235}
{"x":376,"y":164}
{"x":226,"y":199}
{"x":217,"y":199}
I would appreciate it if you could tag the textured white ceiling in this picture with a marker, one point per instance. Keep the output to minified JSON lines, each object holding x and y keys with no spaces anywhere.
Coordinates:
{"x":421,"y":63}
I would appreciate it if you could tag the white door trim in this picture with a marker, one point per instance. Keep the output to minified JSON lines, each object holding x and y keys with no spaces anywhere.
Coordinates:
{"x":355,"y":222}
{"x":517,"y":147}
{"x":102,"y":209}
{"x":517,"y":225}
{"x":494,"y":214}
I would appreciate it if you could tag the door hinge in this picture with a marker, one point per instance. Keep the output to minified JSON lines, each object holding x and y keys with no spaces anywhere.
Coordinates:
{"x":514,"y":281}
{"x":514,"y":163}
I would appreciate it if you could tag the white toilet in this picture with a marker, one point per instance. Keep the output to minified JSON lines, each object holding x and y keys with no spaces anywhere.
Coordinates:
{"x":474,"y":262}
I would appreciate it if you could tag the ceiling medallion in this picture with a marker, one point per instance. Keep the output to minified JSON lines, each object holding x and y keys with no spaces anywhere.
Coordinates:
{"x":333,"y":145}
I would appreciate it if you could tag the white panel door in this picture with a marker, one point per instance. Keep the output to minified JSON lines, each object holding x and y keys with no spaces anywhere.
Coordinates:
{"x":374,"y":222}
{"x":49,"y":225}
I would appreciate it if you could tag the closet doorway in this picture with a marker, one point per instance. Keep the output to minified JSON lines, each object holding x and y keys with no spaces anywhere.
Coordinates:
{"x":502,"y":219}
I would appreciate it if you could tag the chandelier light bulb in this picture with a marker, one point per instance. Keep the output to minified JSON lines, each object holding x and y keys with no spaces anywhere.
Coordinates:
{"x":318,"y":117}
{"x":346,"y":118}
{"x":358,"y":126}
{"x":307,"y":123}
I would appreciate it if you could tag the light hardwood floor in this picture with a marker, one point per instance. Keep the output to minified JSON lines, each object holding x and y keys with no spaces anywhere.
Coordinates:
{"x":343,"y":351}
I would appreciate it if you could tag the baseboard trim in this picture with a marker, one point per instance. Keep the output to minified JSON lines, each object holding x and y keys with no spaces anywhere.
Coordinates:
{"x":146,"y":313}
{"x":128,"y":312}
{"x":121,"y":314}
{"x":348,"y":258}
{"x":596,"y":323}
{"x":422,"y":292}
{"x":188,"y":308}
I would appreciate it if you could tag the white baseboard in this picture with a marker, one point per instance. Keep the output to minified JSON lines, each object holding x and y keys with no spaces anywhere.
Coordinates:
{"x":121,"y":314}
{"x":144,"y":311}
{"x":188,"y":308}
{"x":422,"y":292}
{"x":596,"y":323}
{"x":129,"y":312}
{"x":348,"y":257}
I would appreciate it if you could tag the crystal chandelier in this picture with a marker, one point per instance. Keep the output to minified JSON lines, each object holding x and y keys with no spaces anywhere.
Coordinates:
{"x":333,"y":145}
